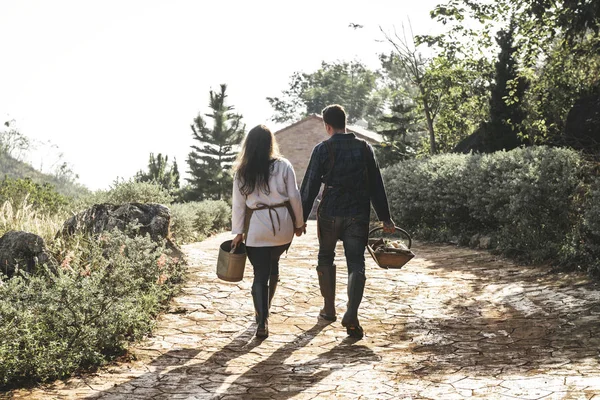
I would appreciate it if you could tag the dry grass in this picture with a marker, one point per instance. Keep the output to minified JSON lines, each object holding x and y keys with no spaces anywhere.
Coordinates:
{"x":23,"y":217}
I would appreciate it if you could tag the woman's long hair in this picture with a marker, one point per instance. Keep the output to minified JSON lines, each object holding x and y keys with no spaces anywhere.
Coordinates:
{"x":255,"y":160}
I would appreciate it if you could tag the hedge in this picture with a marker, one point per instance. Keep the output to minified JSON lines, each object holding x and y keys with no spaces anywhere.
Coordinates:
{"x":537,"y":203}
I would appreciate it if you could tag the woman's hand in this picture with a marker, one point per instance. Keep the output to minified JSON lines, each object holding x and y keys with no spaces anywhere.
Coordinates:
{"x":301,"y":230}
{"x":239,"y":238}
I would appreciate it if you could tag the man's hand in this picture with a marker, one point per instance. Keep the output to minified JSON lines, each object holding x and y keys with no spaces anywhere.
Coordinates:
{"x":236,"y":241}
{"x":389,"y":226}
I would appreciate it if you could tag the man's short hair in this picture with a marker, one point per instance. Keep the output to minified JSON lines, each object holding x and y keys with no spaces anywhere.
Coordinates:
{"x":335,"y":115}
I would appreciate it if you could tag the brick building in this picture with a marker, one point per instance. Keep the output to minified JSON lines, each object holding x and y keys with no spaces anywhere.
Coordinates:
{"x":297,"y":140}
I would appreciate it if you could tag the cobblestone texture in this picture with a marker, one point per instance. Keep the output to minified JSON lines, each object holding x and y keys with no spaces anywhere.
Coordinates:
{"x":454,"y":323}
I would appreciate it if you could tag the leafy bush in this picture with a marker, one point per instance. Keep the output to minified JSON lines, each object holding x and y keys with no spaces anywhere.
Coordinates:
{"x":194,"y":221}
{"x":182,"y":226}
{"x":523,"y":197}
{"x":41,"y":197}
{"x":123,"y":192}
{"x":76,"y":315}
{"x":212,"y":216}
{"x":137,"y":192}
{"x":581,"y":249}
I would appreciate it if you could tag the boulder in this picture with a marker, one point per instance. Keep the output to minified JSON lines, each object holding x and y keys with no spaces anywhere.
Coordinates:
{"x":21,"y":250}
{"x":153,"y":219}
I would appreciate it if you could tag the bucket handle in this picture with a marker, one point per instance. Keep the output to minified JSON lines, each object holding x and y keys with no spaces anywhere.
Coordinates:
{"x":398,"y":229}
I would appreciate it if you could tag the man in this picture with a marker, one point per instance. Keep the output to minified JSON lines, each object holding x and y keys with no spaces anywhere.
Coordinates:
{"x":348,"y":169}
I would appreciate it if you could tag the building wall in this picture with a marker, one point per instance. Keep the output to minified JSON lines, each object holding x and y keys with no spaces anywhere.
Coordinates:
{"x":297,"y":142}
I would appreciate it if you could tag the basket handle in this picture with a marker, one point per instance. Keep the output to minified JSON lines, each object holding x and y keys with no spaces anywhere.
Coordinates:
{"x":398,"y":229}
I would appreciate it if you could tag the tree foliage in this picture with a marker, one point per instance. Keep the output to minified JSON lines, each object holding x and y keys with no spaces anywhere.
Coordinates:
{"x":413,"y":64}
{"x":555,"y":50}
{"x":567,"y":74}
{"x":350,"y":84}
{"x":507,"y":91}
{"x":211,"y":159}
{"x":160,"y":172}
{"x":400,"y":129}
{"x":401,"y":124}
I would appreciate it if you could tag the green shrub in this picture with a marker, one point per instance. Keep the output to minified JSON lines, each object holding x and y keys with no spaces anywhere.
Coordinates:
{"x":83,"y":311}
{"x":191,"y":222}
{"x":123,"y":192}
{"x":42,"y":198}
{"x":213,"y":216}
{"x":136,"y":192}
{"x":182,"y":226}
{"x":523,"y":197}
{"x":581,"y":249}
{"x":86,"y":201}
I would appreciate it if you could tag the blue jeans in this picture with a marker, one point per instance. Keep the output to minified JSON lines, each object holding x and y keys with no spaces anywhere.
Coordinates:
{"x":352,"y":231}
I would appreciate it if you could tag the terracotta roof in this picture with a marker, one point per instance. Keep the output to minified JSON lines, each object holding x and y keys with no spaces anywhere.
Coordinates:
{"x":365,"y":134}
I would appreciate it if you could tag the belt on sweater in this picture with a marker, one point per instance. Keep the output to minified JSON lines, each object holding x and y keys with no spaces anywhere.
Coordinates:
{"x":271,"y":208}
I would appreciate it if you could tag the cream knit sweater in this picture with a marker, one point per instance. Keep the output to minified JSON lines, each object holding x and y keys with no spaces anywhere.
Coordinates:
{"x":283,"y":187}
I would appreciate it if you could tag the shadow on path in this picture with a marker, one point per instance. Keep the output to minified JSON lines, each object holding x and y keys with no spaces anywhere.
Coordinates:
{"x":291,"y":369}
{"x":501,"y":318}
{"x":277,"y":379}
{"x":182,"y":379}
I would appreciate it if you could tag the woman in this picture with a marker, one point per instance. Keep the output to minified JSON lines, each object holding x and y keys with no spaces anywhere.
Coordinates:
{"x":266,"y":208}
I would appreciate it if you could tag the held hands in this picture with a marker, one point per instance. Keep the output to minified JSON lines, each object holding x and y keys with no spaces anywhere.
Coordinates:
{"x":301,"y":230}
{"x":389,"y":226}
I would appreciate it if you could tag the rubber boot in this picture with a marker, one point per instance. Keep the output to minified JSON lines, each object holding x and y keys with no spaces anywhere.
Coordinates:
{"x":356,"y":288}
{"x":260,"y":296}
{"x":327,"y":286}
{"x":273,"y":280}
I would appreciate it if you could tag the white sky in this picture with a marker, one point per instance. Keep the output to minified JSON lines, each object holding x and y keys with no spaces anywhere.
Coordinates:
{"x":110,"y":81}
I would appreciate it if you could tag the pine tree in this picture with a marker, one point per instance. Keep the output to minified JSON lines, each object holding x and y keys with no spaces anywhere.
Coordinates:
{"x":210,"y":161}
{"x":175,"y":172}
{"x":396,"y":128}
{"x":160,"y":172}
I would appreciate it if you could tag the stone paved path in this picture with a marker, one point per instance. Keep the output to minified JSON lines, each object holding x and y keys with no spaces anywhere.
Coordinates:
{"x":454,"y":323}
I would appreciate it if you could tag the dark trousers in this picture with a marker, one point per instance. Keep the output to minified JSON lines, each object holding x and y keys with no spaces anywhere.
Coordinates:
{"x":265,"y":261}
{"x":352,"y":231}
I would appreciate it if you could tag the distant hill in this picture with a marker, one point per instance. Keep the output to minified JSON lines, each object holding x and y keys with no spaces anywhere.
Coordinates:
{"x":15,"y":169}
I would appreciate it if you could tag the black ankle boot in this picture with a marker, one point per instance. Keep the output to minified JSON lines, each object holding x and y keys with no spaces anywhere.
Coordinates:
{"x":356,"y":288}
{"x":260,"y":295}
{"x":327,"y":286}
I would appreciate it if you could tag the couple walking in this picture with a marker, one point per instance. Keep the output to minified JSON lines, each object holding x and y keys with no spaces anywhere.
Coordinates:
{"x":268,"y":210}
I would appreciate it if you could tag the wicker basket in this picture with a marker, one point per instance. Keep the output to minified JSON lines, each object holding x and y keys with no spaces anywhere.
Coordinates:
{"x":395,"y":259}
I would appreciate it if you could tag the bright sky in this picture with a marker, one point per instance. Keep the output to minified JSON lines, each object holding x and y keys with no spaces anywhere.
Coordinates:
{"x":110,"y":81}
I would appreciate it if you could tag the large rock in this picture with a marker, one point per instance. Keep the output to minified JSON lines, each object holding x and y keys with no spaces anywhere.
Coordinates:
{"x":22,"y":250}
{"x":153,"y":219}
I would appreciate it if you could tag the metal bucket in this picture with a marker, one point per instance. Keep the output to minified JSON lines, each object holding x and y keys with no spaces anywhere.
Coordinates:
{"x":230,"y":266}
